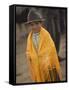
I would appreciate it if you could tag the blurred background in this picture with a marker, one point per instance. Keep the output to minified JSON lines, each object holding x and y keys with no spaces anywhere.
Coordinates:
{"x":55,"y":22}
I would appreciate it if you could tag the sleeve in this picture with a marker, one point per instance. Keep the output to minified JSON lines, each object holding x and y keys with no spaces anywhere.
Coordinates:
{"x":28,"y":55}
{"x":54,"y":59}
{"x":28,"y":48}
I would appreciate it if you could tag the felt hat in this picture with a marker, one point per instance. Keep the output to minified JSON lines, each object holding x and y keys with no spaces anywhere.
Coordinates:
{"x":34,"y":16}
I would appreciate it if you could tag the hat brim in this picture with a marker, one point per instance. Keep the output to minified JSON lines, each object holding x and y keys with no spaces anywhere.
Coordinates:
{"x":28,"y":22}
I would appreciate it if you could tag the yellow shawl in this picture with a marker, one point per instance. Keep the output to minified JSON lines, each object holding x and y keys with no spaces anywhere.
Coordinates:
{"x":43,"y":61}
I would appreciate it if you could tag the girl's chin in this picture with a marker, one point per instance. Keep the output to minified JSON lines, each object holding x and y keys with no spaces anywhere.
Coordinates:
{"x":35,"y":31}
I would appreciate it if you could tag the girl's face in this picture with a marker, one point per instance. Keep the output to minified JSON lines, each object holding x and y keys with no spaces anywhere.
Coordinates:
{"x":35,"y":26}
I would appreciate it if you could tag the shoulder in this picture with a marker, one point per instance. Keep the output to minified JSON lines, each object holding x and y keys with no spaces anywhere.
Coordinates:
{"x":29,"y":37}
{"x":45,"y":32}
{"x":47,"y":36}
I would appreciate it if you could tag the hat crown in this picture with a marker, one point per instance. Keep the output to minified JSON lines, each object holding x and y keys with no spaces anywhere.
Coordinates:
{"x":33,"y":15}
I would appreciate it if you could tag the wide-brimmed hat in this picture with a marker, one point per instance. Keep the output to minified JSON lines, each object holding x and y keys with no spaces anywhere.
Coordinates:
{"x":34,"y":16}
